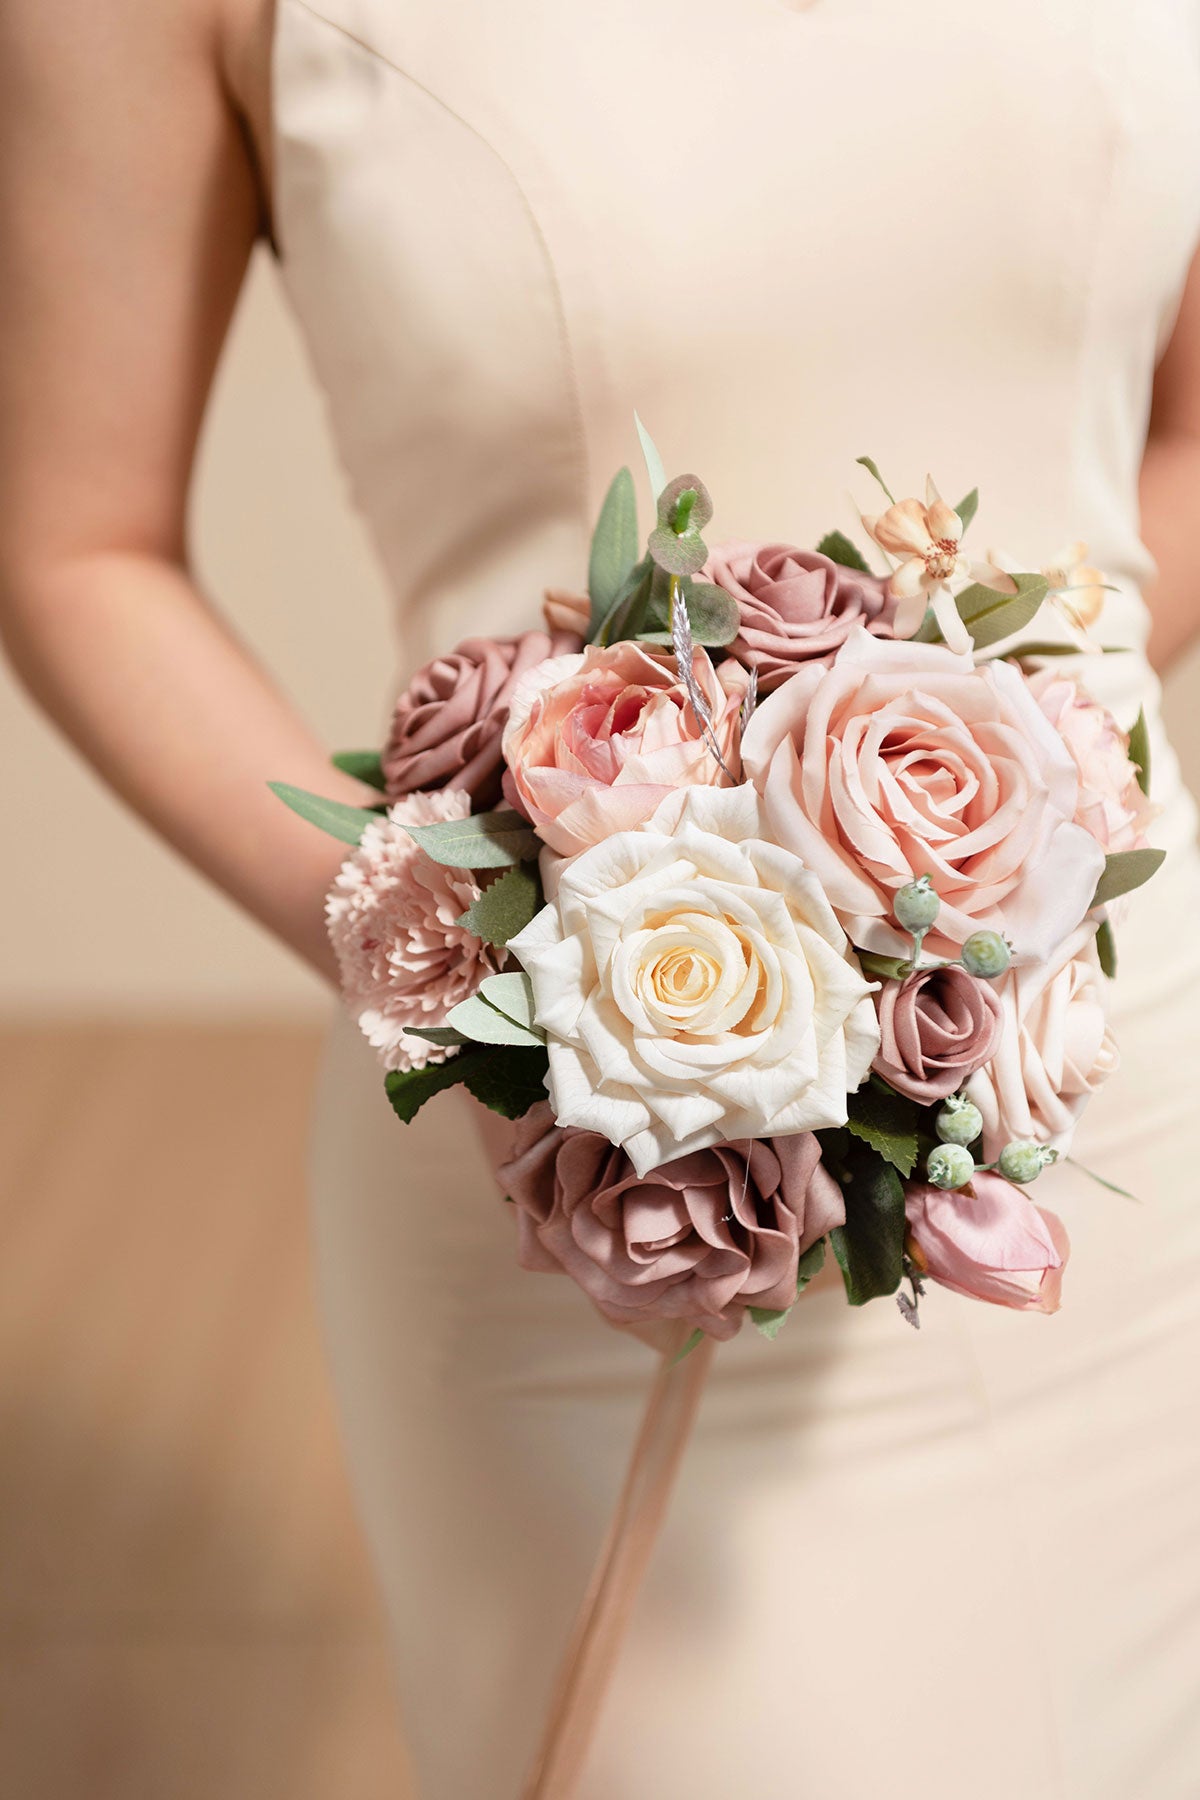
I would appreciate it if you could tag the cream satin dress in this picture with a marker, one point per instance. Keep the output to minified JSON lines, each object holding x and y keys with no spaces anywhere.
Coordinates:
{"x":962,"y":1562}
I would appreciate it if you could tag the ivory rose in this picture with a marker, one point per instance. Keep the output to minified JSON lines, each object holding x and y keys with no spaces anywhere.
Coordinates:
{"x":936,"y":1027}
{"x":904,"y":759}
{"x":988,"y":1241}
{"x":1111,"y":805}
{"x":700,"y":1238}
{"x":795,"y":605}
{"x":448,"y":722}
{"x":695,"y":986}
{"x":595,"y":742}
{"x":393,"y":918}
{"x":1055,"y":1048}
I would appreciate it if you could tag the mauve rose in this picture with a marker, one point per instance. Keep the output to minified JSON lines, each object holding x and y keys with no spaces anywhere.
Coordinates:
{"x":595,"y":742}
{"x":796,"y":605}
{"x":988,"y":1241}
{"x":936,"y":1028}
{"x":448,"y":723}
{"x":903,"y":759}
{"x":700,"y":1238}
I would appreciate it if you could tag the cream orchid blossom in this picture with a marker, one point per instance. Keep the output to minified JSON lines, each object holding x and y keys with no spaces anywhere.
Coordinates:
{"x":925,"y":543}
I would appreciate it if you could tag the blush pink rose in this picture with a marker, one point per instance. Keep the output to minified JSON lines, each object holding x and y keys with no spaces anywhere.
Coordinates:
{"x":936,"y":1027}
{"x":1111,"y":804}
{"x":701,"y":1238}
{"x":393,"y":914}
{"x":448,"y":723}
{"x":1055,"y":1048}
{"x":904,"y":759}
{"x":596,"y":742}
{"x":795,"y":605}
{"x":988,"y":1241}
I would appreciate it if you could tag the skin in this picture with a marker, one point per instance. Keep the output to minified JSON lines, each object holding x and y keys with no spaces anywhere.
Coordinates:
{"x":134,"y":180}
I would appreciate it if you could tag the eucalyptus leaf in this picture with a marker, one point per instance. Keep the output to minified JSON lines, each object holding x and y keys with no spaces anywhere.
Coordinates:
{"x":677,"y":555}
{"x":492,"y":840}
{"x":365,"y":766}
{"x":512,"y":995}
{"x":614,"y":546}
{"x":1139,"y":750}
{"x":869,"y":1247}
{"x":443,"y":1035}
{"x":888,"y":1122}
{"x":967,"y":507}
{"x":712,"y":614}
{"x":1125,"y":870}
{"x":500,"y":1013}
{"x":673,"y":507}
{"x":629,"y":606}
{"x":345,"y":822}
{"x":506,"y":907}
{"x":654,"y":462}
{"x":839,"y":549}
{"x":990,"y":615}
{"x":1106,"y":949}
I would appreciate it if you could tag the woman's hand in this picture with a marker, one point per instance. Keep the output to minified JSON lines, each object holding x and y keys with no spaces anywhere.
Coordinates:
{"x":129,"y":203}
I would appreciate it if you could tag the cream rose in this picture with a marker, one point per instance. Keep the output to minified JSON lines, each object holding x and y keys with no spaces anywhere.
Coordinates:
{"x":905,"y":759}
{"x":596,"y":742}
{"x":1055,"y":1049}
{"x":695,"y":987}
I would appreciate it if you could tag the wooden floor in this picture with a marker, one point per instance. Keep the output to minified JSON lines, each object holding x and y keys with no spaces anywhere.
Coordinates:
{"x":185,"y":1611}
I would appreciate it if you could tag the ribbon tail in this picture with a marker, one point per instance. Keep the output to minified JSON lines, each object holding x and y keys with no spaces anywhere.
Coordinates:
{"x":600,"y":1625}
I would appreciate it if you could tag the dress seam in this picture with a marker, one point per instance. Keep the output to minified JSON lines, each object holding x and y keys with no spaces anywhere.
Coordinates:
{"x":578,"y":431}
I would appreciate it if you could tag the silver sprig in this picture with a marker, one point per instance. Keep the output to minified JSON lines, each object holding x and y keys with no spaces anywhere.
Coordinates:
{"x":683,"y":644}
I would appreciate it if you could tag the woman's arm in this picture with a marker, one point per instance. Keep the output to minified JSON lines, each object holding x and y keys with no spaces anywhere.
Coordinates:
{"x":1170,"y":489}
{"x":128,"y":208}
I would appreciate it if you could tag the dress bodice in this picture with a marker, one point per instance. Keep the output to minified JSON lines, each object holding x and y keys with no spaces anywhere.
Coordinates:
{"x":947,"y":234}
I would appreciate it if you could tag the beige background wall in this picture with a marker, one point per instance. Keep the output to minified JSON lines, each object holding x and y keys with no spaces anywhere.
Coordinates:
{"x":96,"y":917}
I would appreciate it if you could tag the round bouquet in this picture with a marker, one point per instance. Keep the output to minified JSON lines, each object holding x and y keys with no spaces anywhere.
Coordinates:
{"x":769,"y":895}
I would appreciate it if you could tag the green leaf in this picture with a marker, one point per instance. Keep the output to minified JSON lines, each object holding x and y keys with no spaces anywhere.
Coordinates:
{"x":693,"y":1343}
{"x":839,"y":549}
{"x":1020,"y":651}
{"x":483,"y":841}
{"x":712,"y":614}
{"x":443,"y":1035}
{"x":1106,"y":949}
{"x":364,"y":765}
{"x":869,"y":1247}
{"x":654,"y":462}
{"x":409,"y":1089}
{"x":345,"y":822}
{"x":768,"y":1319}
{"x":869,"y":464}
{"x":888,"y":1122}
{"x":506,"y":907}
{"x":967,"y":507}
{"x":1139,"y":750}
{"x":883,"y":968}
{"x":1101,"y":1182}
{"x":508,"y":1081}
{"x":677,"y":555}
{"x":629,"y":605}
{"x":500,"y":1013}
{"x":614,"y":546}
{"x":990,"y":615}
{"x":1124,"y":871}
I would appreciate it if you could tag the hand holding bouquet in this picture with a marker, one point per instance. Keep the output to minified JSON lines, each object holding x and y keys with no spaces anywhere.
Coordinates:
{"x":770,"y":896}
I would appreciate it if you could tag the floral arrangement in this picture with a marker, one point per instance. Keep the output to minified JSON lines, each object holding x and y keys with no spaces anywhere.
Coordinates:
{"x":771,"y":896}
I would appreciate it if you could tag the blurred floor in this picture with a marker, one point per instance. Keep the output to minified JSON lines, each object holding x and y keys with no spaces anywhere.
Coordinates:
{"x":185,"y":1610}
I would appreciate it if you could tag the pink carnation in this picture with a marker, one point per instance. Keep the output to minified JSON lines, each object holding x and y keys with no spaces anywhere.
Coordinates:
{"x":1111,"y":805}
{"x":988,"y":1241}
{"x":392,"y":915}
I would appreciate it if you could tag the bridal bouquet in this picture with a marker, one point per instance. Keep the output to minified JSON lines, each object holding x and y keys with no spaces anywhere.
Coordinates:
{"x":770,"y":896}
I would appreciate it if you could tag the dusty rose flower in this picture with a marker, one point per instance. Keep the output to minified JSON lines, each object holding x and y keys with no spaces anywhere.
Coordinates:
{"x":449,"y":721}
{"x":1111,"y":804}
{"x":594,"y":742}
{"x":391,"y":914}
{"x":1055,"y":1048}
{"x":902,"y":760}
{"x":795,"y":605}
{"x":700,"y":1238}
{"x":567,"y":617}
{"x":988,"y":1241}
{"x":926,"y":541}
{"x":936,"y":1027}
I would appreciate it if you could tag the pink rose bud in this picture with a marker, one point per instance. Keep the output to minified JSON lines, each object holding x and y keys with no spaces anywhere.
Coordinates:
{"x":988,"y":1241}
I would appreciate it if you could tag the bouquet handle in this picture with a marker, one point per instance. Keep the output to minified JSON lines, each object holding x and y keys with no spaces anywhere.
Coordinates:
{"x":600,"y":1624}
